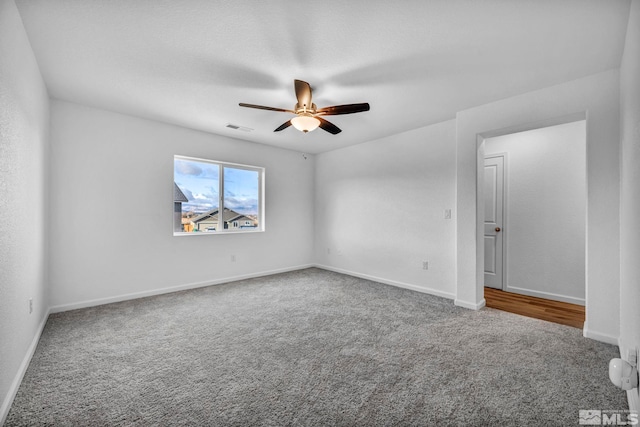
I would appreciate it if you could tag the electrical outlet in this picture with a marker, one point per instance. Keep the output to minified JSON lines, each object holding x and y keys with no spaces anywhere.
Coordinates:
{"x":30,"y":305}
{"x":425,"y":265}
{"x":447,"y":214}
{"x":328,"y":251}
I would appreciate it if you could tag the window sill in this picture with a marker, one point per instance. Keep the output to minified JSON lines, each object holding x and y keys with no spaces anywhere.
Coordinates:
{"x":215,"y":233}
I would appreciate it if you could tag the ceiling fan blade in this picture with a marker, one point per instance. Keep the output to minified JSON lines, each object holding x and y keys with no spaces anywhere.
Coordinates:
{"x":262,"y":107}
{"x":283,"y":126}
{"x":328,"y":126}
{"x":343,"y":109}
{"x":303,"y":93}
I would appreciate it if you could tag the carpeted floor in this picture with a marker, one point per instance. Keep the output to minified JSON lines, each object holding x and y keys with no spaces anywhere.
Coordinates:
{"x":309,"y":348}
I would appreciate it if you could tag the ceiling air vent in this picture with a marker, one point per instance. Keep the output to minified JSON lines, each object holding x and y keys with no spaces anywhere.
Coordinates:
{"x":236,"y":127}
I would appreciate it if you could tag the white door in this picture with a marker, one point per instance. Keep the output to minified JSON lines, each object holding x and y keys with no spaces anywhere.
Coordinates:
{"x":493,"y":214}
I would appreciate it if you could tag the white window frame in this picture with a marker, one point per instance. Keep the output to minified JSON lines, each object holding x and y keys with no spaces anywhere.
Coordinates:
{"x":221,"y":166}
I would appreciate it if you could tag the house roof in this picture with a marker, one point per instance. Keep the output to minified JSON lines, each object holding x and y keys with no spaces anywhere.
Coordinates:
{"x":178,"y":195}
{"x":229,"y":215}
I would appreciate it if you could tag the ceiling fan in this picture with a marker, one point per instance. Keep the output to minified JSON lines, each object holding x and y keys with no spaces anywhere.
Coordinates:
{"x":308,"y":116}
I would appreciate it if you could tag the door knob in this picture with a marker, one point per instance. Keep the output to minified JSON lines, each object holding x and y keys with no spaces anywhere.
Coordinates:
{"x":497,"y":229}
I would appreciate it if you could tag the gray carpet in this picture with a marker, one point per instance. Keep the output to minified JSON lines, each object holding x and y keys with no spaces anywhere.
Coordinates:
{"x":309,"y":348}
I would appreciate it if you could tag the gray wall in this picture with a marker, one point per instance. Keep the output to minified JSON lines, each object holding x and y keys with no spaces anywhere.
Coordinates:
{"x":630,"y":194}
{"x":112,"y":217}
{"x":380,"y":209}
{"x":24,"y":147}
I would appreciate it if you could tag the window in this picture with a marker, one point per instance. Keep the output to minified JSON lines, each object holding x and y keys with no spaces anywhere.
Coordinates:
{"x":202,"y":189}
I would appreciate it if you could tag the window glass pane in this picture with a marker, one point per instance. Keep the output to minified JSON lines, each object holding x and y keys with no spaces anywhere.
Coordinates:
{"x":241,"y":198}
{"x":215,"y":197}
{"x":199,"y":184}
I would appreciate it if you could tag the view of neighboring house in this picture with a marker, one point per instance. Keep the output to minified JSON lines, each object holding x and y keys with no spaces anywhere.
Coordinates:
{"x":209,"y":221}
{"x":187,"y":225}
{"x":178,"y":199}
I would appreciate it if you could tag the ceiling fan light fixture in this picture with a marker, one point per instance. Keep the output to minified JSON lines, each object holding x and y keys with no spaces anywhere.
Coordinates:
{"x":305,"y":123}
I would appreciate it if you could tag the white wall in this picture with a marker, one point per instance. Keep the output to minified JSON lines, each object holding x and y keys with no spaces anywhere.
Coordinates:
{"x":630,"y":186}
{"x":24,"y":126}
{"x":112,"y":214}
{"x":380,"y":209}
{"x":545,"y":210}
{"x":597,"y":98}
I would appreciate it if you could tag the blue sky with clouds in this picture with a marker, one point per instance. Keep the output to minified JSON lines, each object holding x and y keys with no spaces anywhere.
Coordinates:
{"x":198,"y":181}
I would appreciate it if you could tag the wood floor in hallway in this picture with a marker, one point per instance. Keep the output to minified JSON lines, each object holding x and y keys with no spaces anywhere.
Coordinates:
{"x":539,"y":308}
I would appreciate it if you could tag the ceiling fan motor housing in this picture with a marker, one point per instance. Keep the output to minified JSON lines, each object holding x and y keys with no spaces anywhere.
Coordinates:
{"x":302,"y":109}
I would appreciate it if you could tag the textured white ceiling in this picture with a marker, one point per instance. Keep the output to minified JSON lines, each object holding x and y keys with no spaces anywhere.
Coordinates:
{"x":190,"y":62}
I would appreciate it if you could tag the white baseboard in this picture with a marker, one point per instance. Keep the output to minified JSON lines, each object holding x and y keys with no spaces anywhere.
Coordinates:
{"x":17,"y":380}
{"x":395,"y":283}
{"x":599,"y":336}
{"x":470,"y":305}
{"x":546,"y":295}
{"x":143,"y":294}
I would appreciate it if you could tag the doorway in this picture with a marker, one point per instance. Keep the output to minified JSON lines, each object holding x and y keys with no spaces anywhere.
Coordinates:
{"x":535,"y":212}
